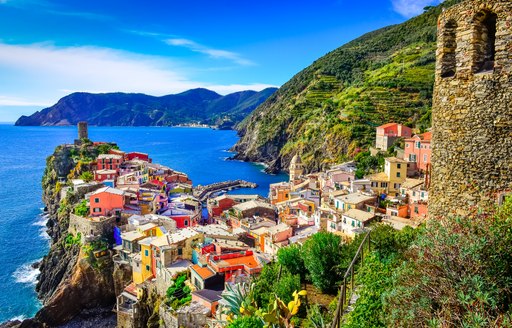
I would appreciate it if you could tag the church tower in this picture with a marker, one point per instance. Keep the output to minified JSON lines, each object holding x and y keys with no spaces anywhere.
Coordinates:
{"x":472,"y":108}
{"x":296,"y":168}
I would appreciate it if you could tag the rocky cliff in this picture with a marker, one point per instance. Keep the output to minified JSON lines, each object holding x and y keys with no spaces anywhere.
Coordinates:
{"x":121,"y":109}
{"x":329,"y":111}
{"x":73,"y":284}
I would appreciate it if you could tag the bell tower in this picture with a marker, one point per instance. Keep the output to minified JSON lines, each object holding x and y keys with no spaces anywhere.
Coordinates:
{"x":296,"y":168}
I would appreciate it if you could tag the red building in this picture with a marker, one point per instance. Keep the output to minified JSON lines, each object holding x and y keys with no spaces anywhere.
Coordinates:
{"x":109,"y":162}
{"x":102,"y":175}
{"x":220,"y":204}
{"x":137,"y":155}
{"x":418,"y":152}
{"x":106,"y":201}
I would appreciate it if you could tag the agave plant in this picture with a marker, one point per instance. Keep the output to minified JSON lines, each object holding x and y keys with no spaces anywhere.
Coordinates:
{"x":236,"y":300}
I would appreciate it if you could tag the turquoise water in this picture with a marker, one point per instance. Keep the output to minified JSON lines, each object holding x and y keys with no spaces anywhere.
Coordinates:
{"x":200,"y":153}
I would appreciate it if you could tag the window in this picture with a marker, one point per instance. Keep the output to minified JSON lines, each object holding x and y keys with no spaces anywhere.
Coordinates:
{"x":383,"y":184}
{"x":412,"y":158}
{"x":485,"y":41}
{"x":96,"y":210}
{"x":414,"y":193}
{"x":96,"y":200}
{"x":396,"y":186}
{"x":416,"y":210}
{"x":147,"y":268}
{"x":180,"y":251}
{"x":146,"y":252}
{"x":407,"y":145}
{"x":353,"y":223}
{"x":448,"y":59}
{"x":398,"y":174}
{"x":398,"y":166}
{"x":418,"y":144}
{"x":185,"y":223}
{"x":424,"y":158}
{"x":375,"y":184}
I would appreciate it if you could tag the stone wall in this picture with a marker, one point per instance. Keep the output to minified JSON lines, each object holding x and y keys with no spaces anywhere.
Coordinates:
{"x":472,"y":113}
{"x":90,"y":228}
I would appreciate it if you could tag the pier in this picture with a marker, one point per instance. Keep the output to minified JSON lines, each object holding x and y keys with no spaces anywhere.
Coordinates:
{"x":203,"y":192}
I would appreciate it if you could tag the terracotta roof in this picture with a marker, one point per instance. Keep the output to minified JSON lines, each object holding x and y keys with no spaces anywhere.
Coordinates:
{"x":248,"y":261}
{"x":387,"y":125}
{"x":203,"y":272}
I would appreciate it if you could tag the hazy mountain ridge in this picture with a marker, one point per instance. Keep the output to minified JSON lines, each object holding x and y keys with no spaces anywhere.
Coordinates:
{"x":134,"y":109}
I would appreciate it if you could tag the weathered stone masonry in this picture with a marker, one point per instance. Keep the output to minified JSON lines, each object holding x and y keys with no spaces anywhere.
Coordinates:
{"x":472,"y":111}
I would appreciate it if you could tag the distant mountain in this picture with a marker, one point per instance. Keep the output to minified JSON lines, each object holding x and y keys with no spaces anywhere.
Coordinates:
{"x":134,"y":109}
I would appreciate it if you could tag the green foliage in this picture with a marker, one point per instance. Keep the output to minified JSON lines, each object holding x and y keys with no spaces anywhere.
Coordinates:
{"x":291,"y":258}
{"x":179,"y":293}
{"x":87,"y":176}
{"x":317,"y":318}
{"x":71,"y":240}
{"x":270,"y":283}
{"x":246,"y":322}
{"x":105,"y":148}
{"x":458,"y":273}
{"x":321,"y":254}
{"x":82,"y":209}
{"x":367,"y":164}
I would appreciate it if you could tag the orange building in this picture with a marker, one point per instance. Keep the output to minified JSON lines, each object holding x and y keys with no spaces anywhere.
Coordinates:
{"x":106,"y":201}
{"x":279,"y":192}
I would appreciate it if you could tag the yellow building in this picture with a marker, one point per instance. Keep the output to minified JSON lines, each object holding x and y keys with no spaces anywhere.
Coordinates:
{"x":389,"y":181}
{"x":142,"y":265}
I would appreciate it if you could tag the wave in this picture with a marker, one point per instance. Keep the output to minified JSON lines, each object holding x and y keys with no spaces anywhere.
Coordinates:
{"x":26,"y":274}
{"x":18,"y":318}
{"x":41,"y":220}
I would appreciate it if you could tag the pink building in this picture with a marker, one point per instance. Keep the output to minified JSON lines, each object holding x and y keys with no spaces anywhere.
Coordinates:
{"x":387,"y":134}
{"x":418,"y":152}
{"x":106,"y":201}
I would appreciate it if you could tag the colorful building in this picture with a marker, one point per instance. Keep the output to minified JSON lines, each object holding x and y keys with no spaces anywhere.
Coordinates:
{"x":106,"y":201}
{"x":387,"y":134}
{"x":109,"y":162}
{"x":389,"y":181}
{"x":418,"y":152}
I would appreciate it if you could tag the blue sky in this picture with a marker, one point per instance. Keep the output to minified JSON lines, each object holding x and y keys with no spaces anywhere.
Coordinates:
{"x":49,"y":48}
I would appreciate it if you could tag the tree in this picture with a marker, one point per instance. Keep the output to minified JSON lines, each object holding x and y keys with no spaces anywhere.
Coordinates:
{"x":321,"y":255}
{"x":291,"y":258}
{"x":87,"y":176}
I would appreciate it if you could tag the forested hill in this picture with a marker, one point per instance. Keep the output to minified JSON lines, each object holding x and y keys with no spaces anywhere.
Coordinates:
{"x":130,"y":109}
{"x":330,"y":109}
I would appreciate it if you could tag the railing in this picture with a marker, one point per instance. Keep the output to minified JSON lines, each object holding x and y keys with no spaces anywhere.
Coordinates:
{"x":349,"y":278}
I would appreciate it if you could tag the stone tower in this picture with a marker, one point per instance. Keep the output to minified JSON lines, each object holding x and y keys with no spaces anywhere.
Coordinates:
{"x":296,"y":168}
{"x":82,"y":130}
{"x":472,"y":108}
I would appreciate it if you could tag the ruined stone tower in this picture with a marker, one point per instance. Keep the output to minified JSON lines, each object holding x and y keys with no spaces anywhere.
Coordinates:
{"x":82,"y":130}
{"x":472,"y":108}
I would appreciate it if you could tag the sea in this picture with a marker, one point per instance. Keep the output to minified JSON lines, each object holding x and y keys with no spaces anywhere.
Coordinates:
{"x":202,"y":153}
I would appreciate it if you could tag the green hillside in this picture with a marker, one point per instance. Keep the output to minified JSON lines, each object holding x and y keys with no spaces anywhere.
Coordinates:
{"x":330,"y":109}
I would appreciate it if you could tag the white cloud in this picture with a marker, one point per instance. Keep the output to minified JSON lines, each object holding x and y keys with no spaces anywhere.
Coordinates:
{"x":213,"y":53}
{"x":40,"y":74}
{"x":410,"y":8}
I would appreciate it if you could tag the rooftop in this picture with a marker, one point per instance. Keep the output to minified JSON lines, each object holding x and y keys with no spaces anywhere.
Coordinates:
{"x":131,"y":235}
{"x":252,"y":204}
{"x":204,"y":272}
{"x":208,"y":294}
{"x":110,"y":156}
{"x":399,"y":223}
{"x":355,"y":198}
{"x":359,"y":215}
{"x":109,"y":190}
{"x":278,"y":228}
{"x":411,"y":183}
{"x":395,"y":160}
